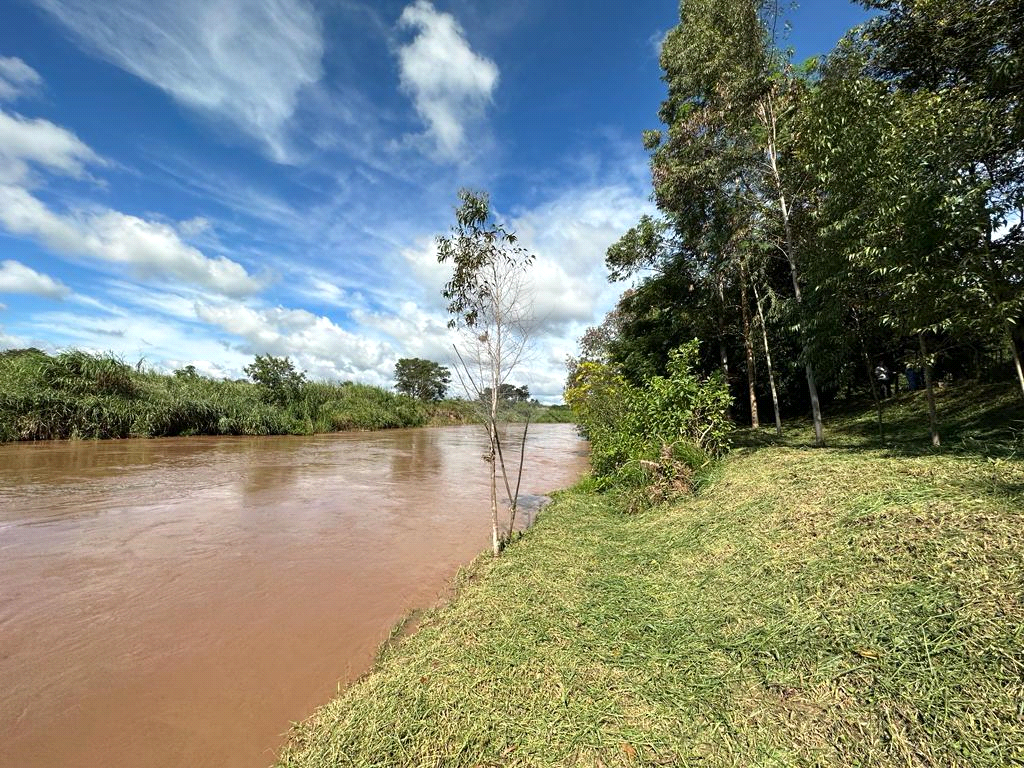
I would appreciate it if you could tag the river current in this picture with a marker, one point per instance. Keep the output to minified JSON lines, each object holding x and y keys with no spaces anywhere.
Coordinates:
{"x":179,"y":602}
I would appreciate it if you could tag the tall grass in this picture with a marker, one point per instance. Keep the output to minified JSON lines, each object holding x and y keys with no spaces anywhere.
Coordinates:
{"x":78,"y":395}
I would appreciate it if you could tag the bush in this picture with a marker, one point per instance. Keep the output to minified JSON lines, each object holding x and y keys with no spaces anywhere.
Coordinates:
{"x":657,"y":436}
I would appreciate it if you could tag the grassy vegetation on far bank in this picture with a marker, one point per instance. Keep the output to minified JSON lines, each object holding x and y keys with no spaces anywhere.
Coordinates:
{"x":75,"y":395}
{"x":854,"y":605}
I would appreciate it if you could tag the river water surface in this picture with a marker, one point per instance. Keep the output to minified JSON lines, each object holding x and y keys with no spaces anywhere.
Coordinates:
{"x":179,"y":602}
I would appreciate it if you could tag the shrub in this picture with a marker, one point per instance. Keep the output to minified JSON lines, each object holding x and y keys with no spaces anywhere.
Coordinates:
{"x":656,"y":436}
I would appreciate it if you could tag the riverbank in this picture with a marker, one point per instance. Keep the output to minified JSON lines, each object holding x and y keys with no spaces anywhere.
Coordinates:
{"x":851,"y":605}
{"x":76,"y":395}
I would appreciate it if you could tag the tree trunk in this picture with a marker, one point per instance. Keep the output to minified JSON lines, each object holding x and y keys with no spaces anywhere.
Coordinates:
{"x":492,"y":460}
{"x":723,"y":355}
{"x":875,"y":397}
{"x":767,"y":113}
{"x":768,"y":362}
{"x":1016,"y":357}
{"x":748,"y":344}
{"x":871,"y":376}
{"x":933,"y":420}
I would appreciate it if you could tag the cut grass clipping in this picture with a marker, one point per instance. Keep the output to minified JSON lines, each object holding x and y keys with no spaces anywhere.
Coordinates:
{"x":832,"y":607}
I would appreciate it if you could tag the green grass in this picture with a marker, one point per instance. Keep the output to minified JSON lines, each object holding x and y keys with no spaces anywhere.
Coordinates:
{"x":76,"y":395}
{"x":858,"y":605}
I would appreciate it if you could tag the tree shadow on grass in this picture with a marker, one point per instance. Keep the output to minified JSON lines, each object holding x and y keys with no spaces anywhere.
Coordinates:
{"x":976,"y":421}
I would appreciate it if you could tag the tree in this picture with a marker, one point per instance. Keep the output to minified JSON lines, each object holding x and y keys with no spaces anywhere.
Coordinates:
{"x":507,"y":393}
{"x":965,"y":60}
{"x":276,"y":377}
{"x":720,"y":168}
{"x":189,"y":372}
{"x":422,"y":379}
{"x":488,"y":304}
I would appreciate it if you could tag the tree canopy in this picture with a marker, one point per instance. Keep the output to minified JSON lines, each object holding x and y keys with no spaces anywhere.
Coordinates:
{"x":819,"y":220}
{"x":422,"y":379}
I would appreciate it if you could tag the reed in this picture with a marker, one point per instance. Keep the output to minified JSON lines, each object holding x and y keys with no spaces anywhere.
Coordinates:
{"x":77,"y":395}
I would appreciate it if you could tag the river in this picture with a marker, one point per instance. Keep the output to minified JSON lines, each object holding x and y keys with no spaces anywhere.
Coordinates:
{"x":179,"y":602}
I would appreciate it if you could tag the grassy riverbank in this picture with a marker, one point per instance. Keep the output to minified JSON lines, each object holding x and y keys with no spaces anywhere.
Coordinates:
{"x":75,"y":395}
{"x":855,"y":605}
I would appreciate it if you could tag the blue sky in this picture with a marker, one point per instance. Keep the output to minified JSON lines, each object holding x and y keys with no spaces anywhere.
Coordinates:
{"x":199,"y":181}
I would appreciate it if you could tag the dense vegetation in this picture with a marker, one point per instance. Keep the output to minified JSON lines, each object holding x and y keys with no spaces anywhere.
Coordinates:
{"x":655,"y":436}
{"x":853,"y":605}
{"x":78,"y":395}
{"x":823,"y":221}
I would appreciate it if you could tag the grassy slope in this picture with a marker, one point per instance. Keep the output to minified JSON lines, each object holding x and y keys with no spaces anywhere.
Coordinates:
{"x":846,"y":606}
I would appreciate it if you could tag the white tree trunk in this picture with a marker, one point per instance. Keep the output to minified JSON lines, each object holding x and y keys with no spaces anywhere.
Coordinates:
{"x":768,"y":363}
{"x":767,"y":113}
{"x":1016,"y":357}
{"x":748,"y":345}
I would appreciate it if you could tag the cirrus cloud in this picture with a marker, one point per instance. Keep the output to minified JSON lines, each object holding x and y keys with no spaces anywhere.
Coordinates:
{"x":16,"y":77}
{"x":246,"y":61}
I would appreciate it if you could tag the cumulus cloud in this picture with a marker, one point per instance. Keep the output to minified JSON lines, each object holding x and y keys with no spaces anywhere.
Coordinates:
{"x":152,"y":249}
{"x":15,"y":277}
{"x":24,"y":141}
{"x":16,"y":77}
{"x":449,"y":83}
{"x":246,"y":61}
{"x":316,"y":341}
{"x":570,"y":235}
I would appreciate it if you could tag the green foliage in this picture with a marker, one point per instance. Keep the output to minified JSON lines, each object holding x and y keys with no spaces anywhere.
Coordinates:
{"x":481,"y":252}
{"x":422,"y":379}
{"x":276,"y":377}
{"x":76,"y":395}
{"x":507,"y":393}
{"x":658,"y":433}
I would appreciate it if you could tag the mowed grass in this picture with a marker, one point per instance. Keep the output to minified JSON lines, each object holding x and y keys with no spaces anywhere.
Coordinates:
{"x":852,"y":606}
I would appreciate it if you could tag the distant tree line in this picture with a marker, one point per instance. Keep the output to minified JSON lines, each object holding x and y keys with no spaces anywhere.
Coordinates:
{"x":822,"y":223}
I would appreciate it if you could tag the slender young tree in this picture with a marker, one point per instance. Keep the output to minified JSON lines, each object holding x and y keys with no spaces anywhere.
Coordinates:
{"x":489,"y":305}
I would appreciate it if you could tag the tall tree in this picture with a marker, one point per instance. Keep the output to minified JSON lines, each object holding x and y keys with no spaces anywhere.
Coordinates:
{"x":968,"y":56}
{"x":721,"y":162}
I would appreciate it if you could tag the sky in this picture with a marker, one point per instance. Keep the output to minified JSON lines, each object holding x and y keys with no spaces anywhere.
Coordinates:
{"x":200,"y":181}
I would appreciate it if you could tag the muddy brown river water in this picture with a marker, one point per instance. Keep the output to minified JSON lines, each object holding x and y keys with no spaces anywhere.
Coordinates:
{"x":180,"y":602}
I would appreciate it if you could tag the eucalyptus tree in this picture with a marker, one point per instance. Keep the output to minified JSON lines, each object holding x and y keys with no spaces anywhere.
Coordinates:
{"x":488,"y":303}
{"x":722,"y":161}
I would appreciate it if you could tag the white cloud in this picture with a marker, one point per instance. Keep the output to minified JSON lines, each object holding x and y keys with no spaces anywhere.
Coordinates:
{"x":246,"y":61}
{"x":24,"y":140}
{"x":16,"y":77}
{"x":151,"y":249}
{"x":315,"y":341}
{"x":15,"y":277}
{"x":450,"y":84}
{"x":570,"y":236}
